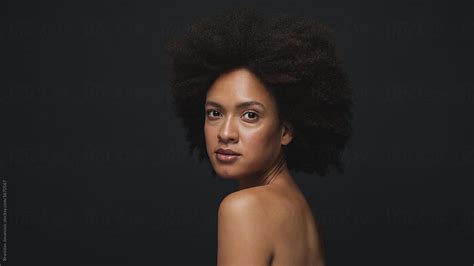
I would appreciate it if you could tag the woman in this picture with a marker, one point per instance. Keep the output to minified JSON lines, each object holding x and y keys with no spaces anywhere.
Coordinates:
{"x":261,"y":97}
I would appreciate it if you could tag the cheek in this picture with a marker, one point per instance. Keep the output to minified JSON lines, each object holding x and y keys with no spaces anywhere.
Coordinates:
{"x":259,"y":142}
{"x":208,"y":135}
{"x":211,"y":139}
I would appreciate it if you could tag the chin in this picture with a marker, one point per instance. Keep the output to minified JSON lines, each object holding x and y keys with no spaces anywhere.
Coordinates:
{"x":226,"y":173}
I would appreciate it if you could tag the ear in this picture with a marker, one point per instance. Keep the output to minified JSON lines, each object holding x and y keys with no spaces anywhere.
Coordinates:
{"x":286,"y":133}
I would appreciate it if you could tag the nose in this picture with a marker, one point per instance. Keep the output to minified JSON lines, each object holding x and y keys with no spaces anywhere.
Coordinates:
{"x":227,"y":131}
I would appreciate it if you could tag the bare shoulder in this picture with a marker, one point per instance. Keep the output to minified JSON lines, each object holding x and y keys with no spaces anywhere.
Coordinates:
{"x":245,"y":206}
{"x":257,"y":203}
{"x":264,"y":203}
{"x":267,"y":223}
{"x":249,"y":198}
{"x":243,"y":229}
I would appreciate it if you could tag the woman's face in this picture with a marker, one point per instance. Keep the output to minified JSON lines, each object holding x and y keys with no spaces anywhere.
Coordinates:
{"x":241,"y":115}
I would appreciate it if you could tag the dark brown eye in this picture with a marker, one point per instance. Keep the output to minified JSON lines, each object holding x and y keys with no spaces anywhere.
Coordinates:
{"x":213,"y":112}
{"x":251,"y":115}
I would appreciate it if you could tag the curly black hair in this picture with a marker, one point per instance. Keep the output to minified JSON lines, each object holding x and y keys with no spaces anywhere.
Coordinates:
{"x":293,"y":56}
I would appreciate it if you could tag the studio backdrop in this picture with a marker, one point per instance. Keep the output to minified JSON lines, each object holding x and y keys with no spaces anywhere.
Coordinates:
{"x":95,"y":166}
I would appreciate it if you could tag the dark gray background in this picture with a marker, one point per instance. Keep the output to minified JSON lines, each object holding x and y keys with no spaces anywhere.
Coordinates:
{"x":97,"y":168}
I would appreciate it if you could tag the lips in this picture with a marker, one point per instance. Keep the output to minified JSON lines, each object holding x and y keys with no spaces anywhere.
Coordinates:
{"x":227,"y":155}
{"x":227,"y":152}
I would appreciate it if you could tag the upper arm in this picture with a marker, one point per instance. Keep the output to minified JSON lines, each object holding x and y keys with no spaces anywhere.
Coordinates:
{"x":243,"y":231}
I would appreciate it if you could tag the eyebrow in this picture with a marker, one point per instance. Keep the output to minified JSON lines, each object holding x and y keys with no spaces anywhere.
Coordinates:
{"x":240,"y":105}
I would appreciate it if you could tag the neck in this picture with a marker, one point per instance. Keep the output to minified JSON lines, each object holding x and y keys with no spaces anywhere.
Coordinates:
{"x":278,"y":170}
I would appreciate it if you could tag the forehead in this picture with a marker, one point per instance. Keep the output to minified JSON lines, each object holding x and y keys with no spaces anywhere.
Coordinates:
{"x":238,"y":86}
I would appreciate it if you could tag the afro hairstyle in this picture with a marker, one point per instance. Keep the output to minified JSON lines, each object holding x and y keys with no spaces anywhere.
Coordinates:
{"x":293,"y":56}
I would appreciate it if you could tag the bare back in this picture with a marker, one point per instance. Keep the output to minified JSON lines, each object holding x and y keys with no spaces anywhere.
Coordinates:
{"x":295,"y":235}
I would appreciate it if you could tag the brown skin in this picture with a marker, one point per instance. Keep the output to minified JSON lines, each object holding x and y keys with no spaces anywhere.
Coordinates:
{"x":267,"y":221}
{"x":253,"y":131}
